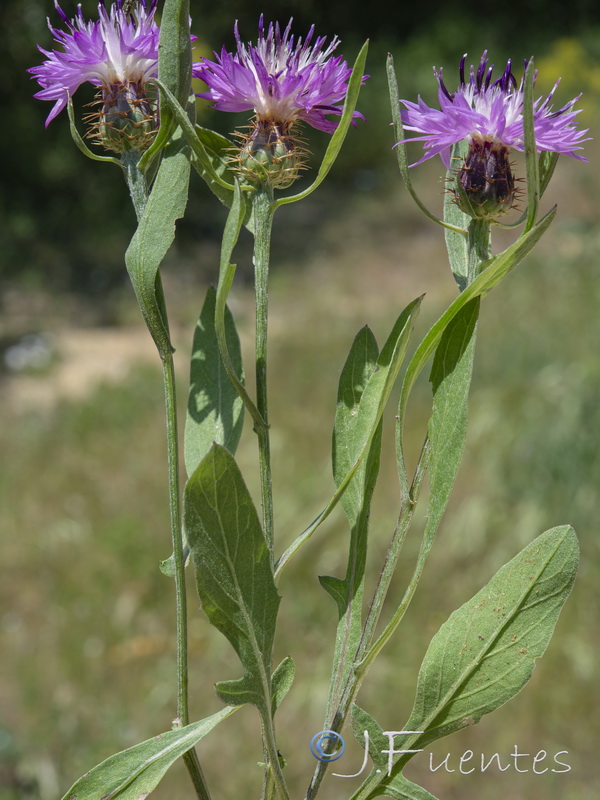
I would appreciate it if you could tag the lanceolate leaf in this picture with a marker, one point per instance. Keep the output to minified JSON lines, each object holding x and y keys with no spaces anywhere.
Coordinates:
{"x":486,"y":651}
{"x":233,"y":570}
{"x":154,"y":236}
{"x":362,"y":721}
{"x":372,"y":403}
{"x":336,"y":141}
{"x":174,"y":71}
{"x":531,"y":157}
{"x":456,"y":243}
{"x":400,"y":148}
{"x":451,"y":379}
{"x":493,"y":271}
{"x":283,"y":677}
{"x":359,"y":366}
{"x":356,"y":501}
{"x":134,"y":773}
{"x":399,"y":786}
{"x":235,"y":220}
{"x":215,"y":410}
{"x":346,"y":445}
{"x":402,"y":789}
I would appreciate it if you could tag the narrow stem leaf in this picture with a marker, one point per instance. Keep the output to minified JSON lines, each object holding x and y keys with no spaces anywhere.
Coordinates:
{"x":531,"y":156}
{"x":134,"y":773}
{"x":401,"y":154}
{"x":373,"y":402}
{"x":235,"y":220}
{"x":337,"y":139}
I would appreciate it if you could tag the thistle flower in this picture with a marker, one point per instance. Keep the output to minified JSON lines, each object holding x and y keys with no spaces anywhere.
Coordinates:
{"x":284,"y":81}
{"x":489,"y":118}
{"x":117,"y":53}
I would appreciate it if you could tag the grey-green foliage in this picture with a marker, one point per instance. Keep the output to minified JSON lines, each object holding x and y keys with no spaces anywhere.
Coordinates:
{"x":233,"y":571}
{"x":485,"y":653}
{"x":168,"y":197}
{"x":154,"y":236}
{"x":215,"y":411}
{"x":356,"y":502}
{"x":456,"y":243}
{"x":492,"y":272}
{"x":355,"y":376}
{"x":370,"y":409}
{"x":450,"y":378}
{"x":134,"y":773}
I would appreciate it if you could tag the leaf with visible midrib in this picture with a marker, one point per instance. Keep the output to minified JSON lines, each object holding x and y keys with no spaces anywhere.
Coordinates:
{"x":486,"y":651}
{"x":492,"y":272}
{"x":233,"y":569}
{"x":134,"y":773}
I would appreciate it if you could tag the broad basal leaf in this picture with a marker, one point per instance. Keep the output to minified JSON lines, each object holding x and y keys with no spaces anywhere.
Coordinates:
{"x":233,"y":570}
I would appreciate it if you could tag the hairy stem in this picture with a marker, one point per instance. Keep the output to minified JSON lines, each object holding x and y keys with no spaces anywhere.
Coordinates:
{"x":263,"y":219}
{"x":136,"y":181}
{"x":478,"y":251}
{"x":356,"y":675}
{"x":190,"y":758}
{"x":138,"y":189}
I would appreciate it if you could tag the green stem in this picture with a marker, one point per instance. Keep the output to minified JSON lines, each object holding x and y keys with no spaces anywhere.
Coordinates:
{"x":138,"y":189}
{"x":136,"y":180}
{"x":275,"y":785}
{"x":479,"y":246}
{"x":478,"y":251}
{"x":358,"y":672}
{"x":263,"y":219}
{"x":190,"y":758}
{"x":393,"y":553}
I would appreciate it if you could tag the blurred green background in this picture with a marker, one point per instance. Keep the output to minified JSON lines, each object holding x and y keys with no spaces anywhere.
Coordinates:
{"x":86,"y":648}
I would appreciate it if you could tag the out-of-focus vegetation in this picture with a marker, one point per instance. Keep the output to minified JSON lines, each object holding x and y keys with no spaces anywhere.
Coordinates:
{"x":87,"y":634}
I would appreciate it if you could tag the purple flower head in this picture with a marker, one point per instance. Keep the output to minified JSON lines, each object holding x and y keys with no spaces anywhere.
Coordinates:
{"x":484,"y":111}
{"x":120,"y":49}
{"x":282,"y":79}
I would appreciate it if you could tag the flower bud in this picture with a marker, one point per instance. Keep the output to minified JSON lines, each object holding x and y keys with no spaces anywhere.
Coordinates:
{"x":127,"y":120}
{"x":270,"y":154}
{"x":484,"y":186}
